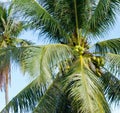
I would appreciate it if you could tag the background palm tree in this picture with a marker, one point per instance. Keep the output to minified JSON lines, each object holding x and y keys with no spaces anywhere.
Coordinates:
{"x":74,"y":75}
{"x":9,"y":30}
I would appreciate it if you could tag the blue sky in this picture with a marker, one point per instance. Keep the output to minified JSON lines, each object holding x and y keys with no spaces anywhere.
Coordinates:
{"x":18,"y":81}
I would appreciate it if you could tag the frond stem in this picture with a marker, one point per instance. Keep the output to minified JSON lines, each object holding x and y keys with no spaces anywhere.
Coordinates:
{"x":76,"y":18}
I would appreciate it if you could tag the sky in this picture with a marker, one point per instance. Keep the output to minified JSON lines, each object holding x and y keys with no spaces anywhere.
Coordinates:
{"x":4,"y":0}
{"x":19,"y":81}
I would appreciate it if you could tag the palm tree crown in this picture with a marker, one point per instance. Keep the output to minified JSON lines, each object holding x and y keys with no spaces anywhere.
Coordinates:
{"x":71,"y":75}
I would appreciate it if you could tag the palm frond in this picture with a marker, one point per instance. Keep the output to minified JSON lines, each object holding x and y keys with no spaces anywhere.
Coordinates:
{"x":8,"y":25}
{"x":102,"y":16}
{"x":84,"y":90}
{"x":57,"y":19}
{"x":64,"y":11}
{"x":3,"y":14}
{"x":24,"y":54}
{"x":27,"y":99}
{"x":108,"y":46}
{"x":40,"y":19}
{"x":111,"y":87}
{"x":54,"y":100}
{"x":113,"y":63}
{"x":43,"y":60}
{"x":17,"y":42}
{"x":15,"y":27}
{"x":41,"y":98}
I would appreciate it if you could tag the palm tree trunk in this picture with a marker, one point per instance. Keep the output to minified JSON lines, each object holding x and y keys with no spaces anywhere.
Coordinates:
{"x":6,"y":91}
{"x":6,"y":84}
{"x":76,"y":18}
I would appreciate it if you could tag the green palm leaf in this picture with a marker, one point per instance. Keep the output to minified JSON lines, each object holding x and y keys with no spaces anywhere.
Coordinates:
{"x":102,"y":15}
{"x":92,"y":16}
{"x":111,"y":87}
{"x":84,"y":90}
{"x":64,"y":11}
{"x":35,"y":96}
{"x":54,"y":100}
{"x":2,"y":15}
{"x":42,"y":20}
{"x":113,"y":63}
{"x":108,"y":46}
{"x":27,"y":99}
{"x":43,"y":60}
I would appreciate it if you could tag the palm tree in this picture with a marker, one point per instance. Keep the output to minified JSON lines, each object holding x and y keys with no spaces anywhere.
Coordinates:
{"x":75,"y":74}
{"x":9,"y":30}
